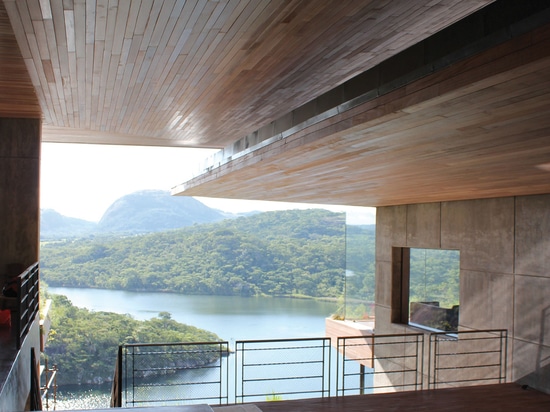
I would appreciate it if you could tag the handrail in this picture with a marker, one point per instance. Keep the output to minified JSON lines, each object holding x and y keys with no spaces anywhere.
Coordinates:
{"x":177,"y":370}
{"x":283,"y":369}
{"x":50,"y":384}
{"x":269,"y":369}
{"x":467,"y":357}
{"x":359,"y":358}
{"x":29,"y":298}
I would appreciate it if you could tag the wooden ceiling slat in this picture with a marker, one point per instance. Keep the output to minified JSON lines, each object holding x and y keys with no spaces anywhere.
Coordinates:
{"x":20,"y":99}
{"x":108,"y":60}
{"x":164,"y":28}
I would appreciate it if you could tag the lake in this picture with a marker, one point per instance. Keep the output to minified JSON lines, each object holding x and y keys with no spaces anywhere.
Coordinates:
{"x":230,"y":317}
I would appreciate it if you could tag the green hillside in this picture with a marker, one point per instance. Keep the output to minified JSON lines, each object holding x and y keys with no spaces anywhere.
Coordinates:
{"x":83,"y":344}
{"x":294,"y":252}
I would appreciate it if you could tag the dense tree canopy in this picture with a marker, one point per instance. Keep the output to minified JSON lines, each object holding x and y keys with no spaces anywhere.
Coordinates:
{"x":83,"y":344}
{"x":274,"y":253}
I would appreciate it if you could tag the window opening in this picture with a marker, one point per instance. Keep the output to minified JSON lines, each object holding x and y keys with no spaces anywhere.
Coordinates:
{"x":434,"y":288}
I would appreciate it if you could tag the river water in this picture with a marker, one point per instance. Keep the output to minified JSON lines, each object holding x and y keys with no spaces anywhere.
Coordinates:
{"x":230,"y":317}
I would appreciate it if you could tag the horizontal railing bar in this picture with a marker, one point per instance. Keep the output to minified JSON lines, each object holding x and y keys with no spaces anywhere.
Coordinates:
{"x":131,"y":345}
{"x":163,"y":385}
{"x":468,"y":353}
{"x":282,"y":393}
{"x":383,"y":372}
{"x":176,"y":368}
{"x":312,"y":362}
{"x":282,"y":340}
{"x":468,"y":332}
{"x":467,"y":380}
{"x":381,"y":357}
{"x":487,"y":365}
{"x":174,"y":400}
{"x":176,"y":353}
{"x":374,"y":341}
{"x":283,"y":378}
{"x":278,"y":348}
{"x":389,"y":335}
{"x":404,"y":385}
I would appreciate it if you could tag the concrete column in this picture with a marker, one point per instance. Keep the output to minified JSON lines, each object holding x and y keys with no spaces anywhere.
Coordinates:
{"x":19,"y":192}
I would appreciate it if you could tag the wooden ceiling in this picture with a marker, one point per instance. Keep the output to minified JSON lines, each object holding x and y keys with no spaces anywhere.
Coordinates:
{"x":478,"y":129}
{"x":17,"y":96}
{"x":203,"y":73}
{"x":207,"y":73}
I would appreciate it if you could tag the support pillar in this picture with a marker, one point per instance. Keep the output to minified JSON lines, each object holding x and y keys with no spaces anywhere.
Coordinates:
{"x":19,"y":192}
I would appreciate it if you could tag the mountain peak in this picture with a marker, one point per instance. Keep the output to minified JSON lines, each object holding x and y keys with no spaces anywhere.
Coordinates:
{"x":144,"y":211}
{"x":154,"y":211}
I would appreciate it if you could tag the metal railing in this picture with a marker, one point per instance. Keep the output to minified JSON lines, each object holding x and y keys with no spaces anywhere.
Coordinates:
{"x":270,"y":369}
{"x":49,"y":388}
{"x":172,"y":373}
{"x":28,"y":305}
{"x":377,"y":363}
{"x":283,"y":369}
{"x":467,"y":358}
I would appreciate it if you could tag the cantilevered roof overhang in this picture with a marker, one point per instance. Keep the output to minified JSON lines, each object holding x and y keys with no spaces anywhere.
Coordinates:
{"x":361,"y":102}
{"x":471,"y":123}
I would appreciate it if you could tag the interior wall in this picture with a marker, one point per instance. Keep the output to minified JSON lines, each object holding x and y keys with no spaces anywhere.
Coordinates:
{"x":504,"y":246}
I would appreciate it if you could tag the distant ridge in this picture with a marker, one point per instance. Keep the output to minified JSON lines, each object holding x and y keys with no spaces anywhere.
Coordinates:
{"x":55,"y":225}
{"x":155,"y":211}
{"x":137,"y":213}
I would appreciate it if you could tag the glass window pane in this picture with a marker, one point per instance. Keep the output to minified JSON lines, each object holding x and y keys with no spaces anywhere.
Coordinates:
{"x":434,"y":288}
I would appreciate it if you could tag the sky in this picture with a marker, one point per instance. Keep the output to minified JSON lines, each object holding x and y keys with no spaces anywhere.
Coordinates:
{"x":82,"y":181}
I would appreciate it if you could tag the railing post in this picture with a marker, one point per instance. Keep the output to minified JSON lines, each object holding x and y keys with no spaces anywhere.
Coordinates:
{"x":361,"y":379}
{"x":116,"y":391}
{"x":504,"y":355}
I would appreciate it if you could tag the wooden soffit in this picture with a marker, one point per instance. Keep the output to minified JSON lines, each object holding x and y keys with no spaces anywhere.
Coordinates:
{"x":201,"y":73}
{"x":17,"y":96}
{"x":479,"y":128}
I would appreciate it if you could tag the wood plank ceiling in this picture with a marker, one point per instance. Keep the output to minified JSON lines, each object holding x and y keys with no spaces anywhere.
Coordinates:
{"x":480,"y":129}
{"x":17,"y":97}
{"x":203,"y":73}
{"x":206,"y":73}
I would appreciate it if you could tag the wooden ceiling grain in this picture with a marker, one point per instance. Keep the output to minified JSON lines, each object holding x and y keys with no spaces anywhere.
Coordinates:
{"x":203,"y":73}
{"x":478,"y":129}
{"x":18,"y":98}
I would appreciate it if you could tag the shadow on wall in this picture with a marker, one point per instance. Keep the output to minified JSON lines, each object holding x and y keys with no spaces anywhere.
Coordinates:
{"x":540,"y":377}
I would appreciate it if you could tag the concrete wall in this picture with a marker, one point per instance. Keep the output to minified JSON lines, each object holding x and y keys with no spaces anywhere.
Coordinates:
{"x":14,"y":394}
{"x":19,"y":192}
{"x":19,"y":239}
{"x":504,"y":246}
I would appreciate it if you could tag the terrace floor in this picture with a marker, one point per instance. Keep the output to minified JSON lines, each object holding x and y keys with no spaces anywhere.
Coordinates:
{"x":486,"y":398}
{"x":500,"y":397}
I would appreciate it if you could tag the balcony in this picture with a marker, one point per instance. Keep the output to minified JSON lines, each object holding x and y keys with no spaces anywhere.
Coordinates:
{"x":19,"y":339}
{"x":319,"y":373}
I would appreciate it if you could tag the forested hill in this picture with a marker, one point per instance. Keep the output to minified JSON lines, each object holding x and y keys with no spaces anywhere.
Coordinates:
{"x":85,"y":352}
{"x":149,"y":211}
{"x":145,"y":211}
{"x":293,"y":252}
